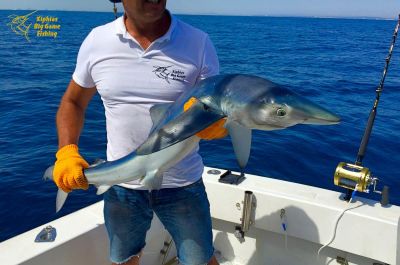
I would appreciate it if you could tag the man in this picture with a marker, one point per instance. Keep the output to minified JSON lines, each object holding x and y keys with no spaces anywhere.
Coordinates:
{"x":144,"y":58}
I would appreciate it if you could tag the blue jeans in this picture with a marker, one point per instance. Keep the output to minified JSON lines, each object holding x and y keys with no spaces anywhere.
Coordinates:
{"x":184,"y":211}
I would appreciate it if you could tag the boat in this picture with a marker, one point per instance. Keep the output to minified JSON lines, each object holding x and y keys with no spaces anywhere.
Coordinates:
{"x":256,"y":221}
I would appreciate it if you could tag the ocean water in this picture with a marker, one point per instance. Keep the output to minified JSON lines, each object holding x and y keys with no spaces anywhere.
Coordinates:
{"x":337,"y":63}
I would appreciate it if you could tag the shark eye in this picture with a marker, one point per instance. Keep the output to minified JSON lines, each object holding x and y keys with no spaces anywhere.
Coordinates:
{"x":280,"y":112}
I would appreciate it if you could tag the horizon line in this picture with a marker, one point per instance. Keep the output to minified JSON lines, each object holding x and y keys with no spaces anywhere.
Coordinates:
{"x":222,"y":14}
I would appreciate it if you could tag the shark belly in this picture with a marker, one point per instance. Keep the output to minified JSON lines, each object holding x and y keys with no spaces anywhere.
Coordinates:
{"x":149,"y":168}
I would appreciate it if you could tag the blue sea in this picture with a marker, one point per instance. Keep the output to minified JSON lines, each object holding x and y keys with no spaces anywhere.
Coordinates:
{"x":337,"y":63}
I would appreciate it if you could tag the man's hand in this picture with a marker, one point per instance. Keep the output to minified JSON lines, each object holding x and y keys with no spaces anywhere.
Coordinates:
{"x":68,"y":169}
{"x":214,"y":131}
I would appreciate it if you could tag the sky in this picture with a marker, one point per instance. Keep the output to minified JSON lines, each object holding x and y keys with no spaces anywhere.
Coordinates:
{"x":314,"y":8}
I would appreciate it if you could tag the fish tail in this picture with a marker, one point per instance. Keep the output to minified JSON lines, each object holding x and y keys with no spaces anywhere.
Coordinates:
{"x":61,"y":198}
{"x":48,"y":174}
{"x":61,"y":195}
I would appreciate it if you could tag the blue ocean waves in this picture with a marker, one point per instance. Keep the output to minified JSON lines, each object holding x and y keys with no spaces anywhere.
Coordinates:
{"x":337,"y":63}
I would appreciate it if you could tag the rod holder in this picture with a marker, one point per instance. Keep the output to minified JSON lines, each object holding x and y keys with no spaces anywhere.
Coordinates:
{"x":247,"y":210}
{"x":247,"y":213}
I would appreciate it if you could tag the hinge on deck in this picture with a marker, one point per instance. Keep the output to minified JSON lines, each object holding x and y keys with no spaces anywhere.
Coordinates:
{"x":48,"y":234}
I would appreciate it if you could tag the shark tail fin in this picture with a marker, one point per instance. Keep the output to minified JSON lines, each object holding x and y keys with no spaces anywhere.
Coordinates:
{"x":48,"y":174}
{"x":61,"y":198}
{"x":61,"y":195}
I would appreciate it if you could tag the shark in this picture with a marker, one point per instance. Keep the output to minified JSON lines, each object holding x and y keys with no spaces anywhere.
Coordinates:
{"x":247,"y":102}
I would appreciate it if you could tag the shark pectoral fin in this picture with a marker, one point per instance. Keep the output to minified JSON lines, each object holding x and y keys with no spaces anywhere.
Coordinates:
{"x":102,"y":188}
{"x":61,"y":198}
{"x":241,"y":141}
{"x":152,"y":180}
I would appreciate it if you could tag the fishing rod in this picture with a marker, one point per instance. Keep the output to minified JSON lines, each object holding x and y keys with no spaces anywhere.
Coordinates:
{"x":115,"y":7}
{"x":355,"y":177}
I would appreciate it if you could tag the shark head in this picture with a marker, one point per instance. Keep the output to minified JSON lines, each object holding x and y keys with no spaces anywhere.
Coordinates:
{"x":279,"y":108}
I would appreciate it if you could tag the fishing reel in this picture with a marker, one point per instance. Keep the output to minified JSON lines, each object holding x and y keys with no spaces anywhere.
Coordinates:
{"x":354,"y":177}
{"x":358,"y":178}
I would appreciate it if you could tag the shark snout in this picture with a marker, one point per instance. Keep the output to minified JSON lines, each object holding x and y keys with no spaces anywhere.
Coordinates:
{"x":319,"y":116}
{"x":312,"y":113}
{"x":323,"y":120}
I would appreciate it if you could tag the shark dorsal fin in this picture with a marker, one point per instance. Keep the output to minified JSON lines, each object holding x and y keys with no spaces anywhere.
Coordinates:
{"x":186,"y":124}
{"x":158,"y":111}
{"x":241,"y":141}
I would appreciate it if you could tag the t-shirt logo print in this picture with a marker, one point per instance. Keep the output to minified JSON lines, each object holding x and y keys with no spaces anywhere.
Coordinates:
{"x":166,"y":73}
{"x":162,"y":72}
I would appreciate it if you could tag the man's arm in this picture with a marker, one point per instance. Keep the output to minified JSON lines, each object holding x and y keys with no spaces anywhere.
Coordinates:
{"x":68,"y":169}
{"x":71,"y":113}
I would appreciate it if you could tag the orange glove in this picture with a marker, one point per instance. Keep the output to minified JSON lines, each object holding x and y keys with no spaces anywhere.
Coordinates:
{"x":68,"y":169}
{"x":214,"y":131}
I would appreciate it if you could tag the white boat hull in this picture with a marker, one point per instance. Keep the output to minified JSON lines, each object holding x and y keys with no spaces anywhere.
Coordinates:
{"x":368,"y":234}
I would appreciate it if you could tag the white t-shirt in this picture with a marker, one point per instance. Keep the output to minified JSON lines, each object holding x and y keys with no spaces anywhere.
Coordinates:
{"x":130,"y":80}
